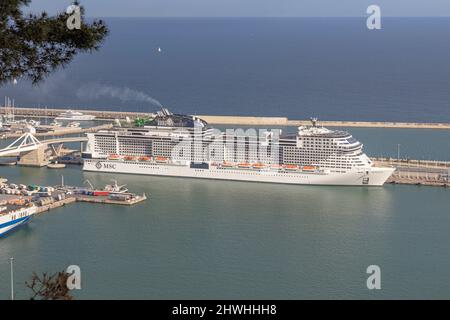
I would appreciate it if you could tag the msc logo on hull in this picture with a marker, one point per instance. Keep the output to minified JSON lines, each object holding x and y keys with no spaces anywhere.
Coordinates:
{"x":99,"y":165}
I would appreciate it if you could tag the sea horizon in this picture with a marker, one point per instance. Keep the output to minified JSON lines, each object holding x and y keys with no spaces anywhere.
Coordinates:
{"x":332,"y":68}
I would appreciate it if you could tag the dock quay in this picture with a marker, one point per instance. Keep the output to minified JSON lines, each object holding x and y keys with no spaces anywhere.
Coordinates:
{"x":54,"y":112}
{"x":54,"y":205}
{"x":42,"y":199}
{"x":417,"y":172}
{"x":106,"y":200}
{"x":285,"y":122}
{"x":232,"y":120}
{"x":89,"y":199}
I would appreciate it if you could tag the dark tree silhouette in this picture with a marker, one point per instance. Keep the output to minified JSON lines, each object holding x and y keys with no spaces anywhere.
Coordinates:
{"x":49,"y":287}
{"x":33,"y":45}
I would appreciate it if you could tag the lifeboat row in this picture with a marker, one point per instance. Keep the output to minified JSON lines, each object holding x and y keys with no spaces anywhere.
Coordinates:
{"x":133,"y":158}
{"x":243,"y":165}
{"x":287,"y":167}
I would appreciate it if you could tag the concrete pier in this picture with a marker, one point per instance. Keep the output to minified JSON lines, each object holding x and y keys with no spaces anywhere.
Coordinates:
{"x":105,"y":200}
{"x":55,"y":205}
{"x":235,"y":120}
{"x":90,"y":199}
{"x":285,"y":122}
{"x":54,"y":112}
{"x":417,"y":172}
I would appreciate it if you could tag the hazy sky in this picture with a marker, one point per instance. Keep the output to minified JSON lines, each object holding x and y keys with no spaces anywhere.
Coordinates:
{"x":248,"y":8}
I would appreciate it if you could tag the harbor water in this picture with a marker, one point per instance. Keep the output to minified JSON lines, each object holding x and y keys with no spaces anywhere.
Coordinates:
{"x":217,"y":239}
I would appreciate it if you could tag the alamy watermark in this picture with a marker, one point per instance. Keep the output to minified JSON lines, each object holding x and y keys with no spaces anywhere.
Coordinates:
{"x":374,"y":20}
{"x":374,"y":280}
{"x":233,"y":145}
{"x":74,"y":278}
{"x":74,"y":20}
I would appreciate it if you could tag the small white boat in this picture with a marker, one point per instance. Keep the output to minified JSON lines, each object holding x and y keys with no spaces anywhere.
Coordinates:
{"x":34,"y":123}
{"x":73,"y":125}
{"x":74,"y":116}
{"x":55,"y":123}
{"x":56,"y":165}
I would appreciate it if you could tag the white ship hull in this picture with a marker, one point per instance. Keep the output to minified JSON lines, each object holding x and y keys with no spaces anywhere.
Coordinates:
{"x":77,"y":118}
{"x":372,"y":176}
{"x":12,"y":220}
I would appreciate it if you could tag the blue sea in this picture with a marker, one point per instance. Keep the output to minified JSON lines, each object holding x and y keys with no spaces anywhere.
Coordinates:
{"x":332,"y":68}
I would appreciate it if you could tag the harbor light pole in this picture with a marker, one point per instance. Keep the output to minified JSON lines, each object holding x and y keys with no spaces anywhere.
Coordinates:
{"x":398,"y":152}
{"x":12,"y":277}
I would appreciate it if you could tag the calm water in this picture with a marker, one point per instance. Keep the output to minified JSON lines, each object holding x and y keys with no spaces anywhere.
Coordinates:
{"x":209,"y":239}
{"x":333,"y":68}
{"x":212,"y":239}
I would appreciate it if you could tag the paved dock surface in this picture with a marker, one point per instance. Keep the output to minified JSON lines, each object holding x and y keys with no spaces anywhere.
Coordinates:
{"x":90,"y":199}
{"x":56,"y":204}
{"x":417,"y":172}
{"x":106,"y":200}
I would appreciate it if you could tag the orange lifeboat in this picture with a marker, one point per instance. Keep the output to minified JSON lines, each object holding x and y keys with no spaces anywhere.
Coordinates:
{"x":291,"y":167}
{"x":258,"y":165}
{"x":129,"y":158}
{"x":114,"y":157}
{"x":244,"y":165}
{"x":308,"y":168}
{"x":227,"y":164}
{"x":161,"y":159}
{"x":144,"y":159}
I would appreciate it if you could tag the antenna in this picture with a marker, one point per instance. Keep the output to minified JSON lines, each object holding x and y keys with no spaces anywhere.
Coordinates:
{"x":314,"y":121}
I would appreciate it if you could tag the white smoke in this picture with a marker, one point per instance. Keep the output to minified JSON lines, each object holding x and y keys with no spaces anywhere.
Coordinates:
{"x":94,"y":91}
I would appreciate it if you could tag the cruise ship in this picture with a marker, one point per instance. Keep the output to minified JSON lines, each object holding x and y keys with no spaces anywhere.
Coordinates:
{"x":11,"y":218}
{"x":74,"y":116}
{"x":186,"y":146}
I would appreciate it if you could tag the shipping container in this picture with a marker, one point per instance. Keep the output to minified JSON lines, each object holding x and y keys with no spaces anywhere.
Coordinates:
{"x":100,"y":193}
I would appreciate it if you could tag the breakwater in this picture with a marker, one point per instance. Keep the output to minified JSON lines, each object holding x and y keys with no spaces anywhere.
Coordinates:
{"x":233,"y":120}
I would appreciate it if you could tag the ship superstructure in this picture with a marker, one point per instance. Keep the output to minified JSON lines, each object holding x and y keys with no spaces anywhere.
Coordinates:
{"x":185,"y":146}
